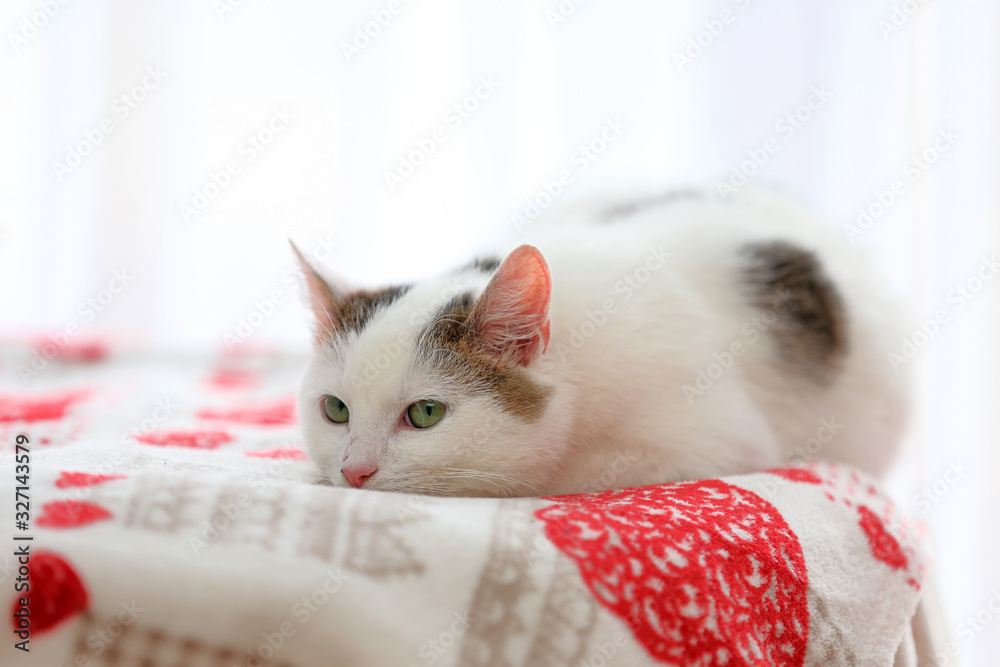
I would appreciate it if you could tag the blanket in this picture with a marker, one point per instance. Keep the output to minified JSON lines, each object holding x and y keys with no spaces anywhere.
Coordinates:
{"x":163,"y":512}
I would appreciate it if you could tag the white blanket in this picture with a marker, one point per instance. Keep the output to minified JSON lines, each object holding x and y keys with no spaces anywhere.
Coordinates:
{"x":175,"y":521}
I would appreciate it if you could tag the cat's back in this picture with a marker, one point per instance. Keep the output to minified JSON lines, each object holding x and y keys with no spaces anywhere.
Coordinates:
{"x":696,"y":319}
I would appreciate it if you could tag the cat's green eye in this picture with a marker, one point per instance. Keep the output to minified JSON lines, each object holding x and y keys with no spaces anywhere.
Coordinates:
{"x":335,"y":410}
{"x":425,"y":413}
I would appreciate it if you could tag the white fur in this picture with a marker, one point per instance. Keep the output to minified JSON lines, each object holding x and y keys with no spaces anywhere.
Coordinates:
{"x":618,"y":361}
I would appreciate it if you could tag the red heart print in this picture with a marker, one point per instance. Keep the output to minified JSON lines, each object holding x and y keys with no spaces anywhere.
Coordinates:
{"x":56,"y":593}
{"x":846,"y":487}
{"x":797,"y":475}
{"x":83,"y":351}
{"x":191,"y":439}
{"x":289,"y":453}
{"x":38,"y":408}
{"x":71,"y":479}
{"x":705,"y":573}
{"x":276,"y":413}
{"x":883,"y":545}
{"x":70,"y":514}
{"x":234,"y":378}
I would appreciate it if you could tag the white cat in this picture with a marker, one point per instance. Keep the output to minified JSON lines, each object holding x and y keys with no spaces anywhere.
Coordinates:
{"x":671,"y":338}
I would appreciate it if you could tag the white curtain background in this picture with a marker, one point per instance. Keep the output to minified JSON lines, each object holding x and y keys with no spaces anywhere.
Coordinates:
{"x":894,"y":75}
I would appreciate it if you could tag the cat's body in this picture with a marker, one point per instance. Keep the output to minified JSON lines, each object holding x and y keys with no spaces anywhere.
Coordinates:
{"x":671,"y":339}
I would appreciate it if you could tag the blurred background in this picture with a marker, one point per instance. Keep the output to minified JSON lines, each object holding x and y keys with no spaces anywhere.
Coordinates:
{"x":155,"y":157}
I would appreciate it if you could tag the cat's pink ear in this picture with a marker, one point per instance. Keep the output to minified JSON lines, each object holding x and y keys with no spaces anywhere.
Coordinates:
{"x":322,"y":299}
{"x":511,"y":318}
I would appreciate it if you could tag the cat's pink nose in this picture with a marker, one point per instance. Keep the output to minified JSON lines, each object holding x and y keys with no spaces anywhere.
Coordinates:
{"x":357,"y":475}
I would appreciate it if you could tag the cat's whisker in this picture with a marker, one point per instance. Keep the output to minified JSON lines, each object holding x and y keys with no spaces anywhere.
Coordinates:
{"x":448,"y":480}
{"x":326,"y":323}
{"x":504,"y":488}
{"x":502,"y":482}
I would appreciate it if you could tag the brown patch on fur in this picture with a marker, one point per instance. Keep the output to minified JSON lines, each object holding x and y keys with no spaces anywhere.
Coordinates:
{"x":482,"y":264}
{"x":811,"y":330}
{"x":357,"y":308}
{"x":465,"y":359}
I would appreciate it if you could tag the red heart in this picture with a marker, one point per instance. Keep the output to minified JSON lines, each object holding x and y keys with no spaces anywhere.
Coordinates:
{"x":82,"y":351}
{"x":68,"y":479}
{"x":41,"y":408}
{"x":192,"y":439}
{"x":71,"y":513}
{"x":276,"y":413}
{"x":56,"y":593}
{"x":797,"y":475}
{"x":290,"y":453}
{"x":704,"y":572}
{"x":234,"y":378}
{"x":883,"y":545}
{"x":847,"y":487}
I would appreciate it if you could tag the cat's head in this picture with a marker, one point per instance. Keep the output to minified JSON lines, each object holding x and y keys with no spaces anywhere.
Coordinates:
{"x":439,"y":387}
